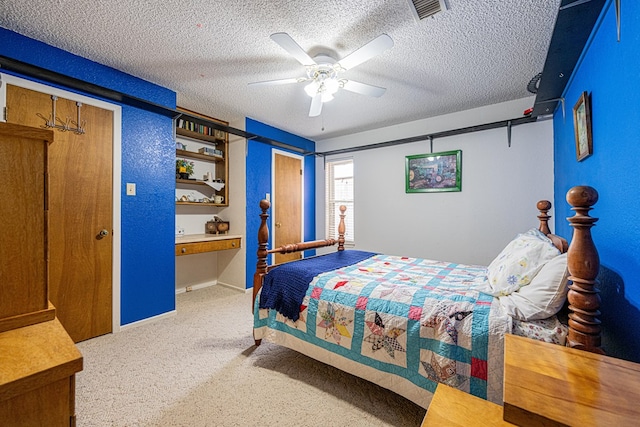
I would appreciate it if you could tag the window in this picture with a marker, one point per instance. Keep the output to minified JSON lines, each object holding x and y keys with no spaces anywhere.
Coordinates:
{"x":339,"y":191}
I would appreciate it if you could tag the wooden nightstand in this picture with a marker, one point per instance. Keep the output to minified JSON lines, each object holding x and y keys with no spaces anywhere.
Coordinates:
{"x":551,"y":385}
{"x":454,"y":408}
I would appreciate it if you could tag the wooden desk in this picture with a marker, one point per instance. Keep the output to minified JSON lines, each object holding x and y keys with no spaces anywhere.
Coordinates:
{"x":198,"y":243}
{"x":551,"y":385}
{"x":454,"y":408}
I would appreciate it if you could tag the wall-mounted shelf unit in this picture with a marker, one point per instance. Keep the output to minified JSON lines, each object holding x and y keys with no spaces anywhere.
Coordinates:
{"x":196,"y":133}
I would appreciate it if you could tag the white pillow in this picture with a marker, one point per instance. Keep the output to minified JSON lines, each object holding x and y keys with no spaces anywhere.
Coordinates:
{"x":519,"y":262}
{"x":544,"y":296}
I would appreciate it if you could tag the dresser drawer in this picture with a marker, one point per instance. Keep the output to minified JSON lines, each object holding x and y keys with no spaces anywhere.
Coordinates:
{"x":208,"y":246}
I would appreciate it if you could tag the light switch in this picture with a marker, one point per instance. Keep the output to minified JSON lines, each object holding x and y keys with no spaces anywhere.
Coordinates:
{"x":268,"y":197}
{"x":131,"y":189}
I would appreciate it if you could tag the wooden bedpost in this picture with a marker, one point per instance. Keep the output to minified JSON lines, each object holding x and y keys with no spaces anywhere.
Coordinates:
{"x":559,"y":242}
{"x":341,"y":228}
{"x":583,"y":264}
{"x":263,"y":239}
{"x":544,"y":206}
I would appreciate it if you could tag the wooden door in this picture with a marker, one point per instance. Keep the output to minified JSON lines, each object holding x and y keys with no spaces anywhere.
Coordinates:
{"x":80,"y":208}
{"x":287,"y":200}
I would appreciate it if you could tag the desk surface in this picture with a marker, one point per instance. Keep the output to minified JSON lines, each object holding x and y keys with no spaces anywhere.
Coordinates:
{"x":194,"y":238}
{"x":565,"y":386}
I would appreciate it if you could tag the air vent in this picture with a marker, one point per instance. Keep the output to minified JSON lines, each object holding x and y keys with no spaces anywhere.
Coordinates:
{"x":423,"y":9}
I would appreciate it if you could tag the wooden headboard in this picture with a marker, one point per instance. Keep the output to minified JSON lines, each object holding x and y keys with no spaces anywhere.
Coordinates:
{"x":560,"y":242}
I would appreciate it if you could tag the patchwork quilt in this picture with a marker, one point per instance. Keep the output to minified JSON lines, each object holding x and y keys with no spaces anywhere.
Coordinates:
{"x":406,"y":324}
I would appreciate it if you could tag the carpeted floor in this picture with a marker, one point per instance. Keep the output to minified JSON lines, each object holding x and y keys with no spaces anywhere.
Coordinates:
{"x":201,"y":368}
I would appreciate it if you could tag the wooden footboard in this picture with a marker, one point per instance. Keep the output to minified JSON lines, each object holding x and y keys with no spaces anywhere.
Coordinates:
{"x":262,"y":267}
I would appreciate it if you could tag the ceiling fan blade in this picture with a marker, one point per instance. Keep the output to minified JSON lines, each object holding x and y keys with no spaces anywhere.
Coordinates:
{"x":364,"y":89}
{"x":366,"y":52}
{"x":316,"y":105}
{"x":278,"y":82}
{"x":287,"y":43}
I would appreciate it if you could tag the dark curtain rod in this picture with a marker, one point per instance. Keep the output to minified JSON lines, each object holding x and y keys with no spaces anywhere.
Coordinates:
{"x":432,"y":136}
{"x":43,"y":74}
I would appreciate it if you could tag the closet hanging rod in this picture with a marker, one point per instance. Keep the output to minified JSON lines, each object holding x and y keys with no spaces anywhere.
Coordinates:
{"x":431,"y":136}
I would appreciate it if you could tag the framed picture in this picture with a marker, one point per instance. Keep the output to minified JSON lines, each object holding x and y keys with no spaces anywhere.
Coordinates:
{"x":582,"y":125}
{"x":427,"y":173}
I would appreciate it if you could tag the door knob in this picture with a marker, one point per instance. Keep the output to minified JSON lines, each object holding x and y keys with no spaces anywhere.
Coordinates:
{"x":278,"y":224}
{"x":104,"y":233}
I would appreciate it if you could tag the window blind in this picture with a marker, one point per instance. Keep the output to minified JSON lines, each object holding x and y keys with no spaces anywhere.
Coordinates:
{"x":339,"y":183}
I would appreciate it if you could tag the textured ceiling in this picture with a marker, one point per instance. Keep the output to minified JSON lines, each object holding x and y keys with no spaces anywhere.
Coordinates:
{"x":479,"y":52}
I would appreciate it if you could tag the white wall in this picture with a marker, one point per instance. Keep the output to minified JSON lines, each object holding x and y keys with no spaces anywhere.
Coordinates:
{"x":500,"y":186}
{"x":231,"y":263}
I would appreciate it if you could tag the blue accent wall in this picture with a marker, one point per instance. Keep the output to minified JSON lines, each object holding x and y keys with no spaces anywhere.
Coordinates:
{"x":610,"y":72}
{"x":148,"y":156}
{"x":258,"y":164}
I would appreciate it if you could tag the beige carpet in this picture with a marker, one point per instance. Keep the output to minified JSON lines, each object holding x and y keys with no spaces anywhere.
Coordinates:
{"x":201,"y":368}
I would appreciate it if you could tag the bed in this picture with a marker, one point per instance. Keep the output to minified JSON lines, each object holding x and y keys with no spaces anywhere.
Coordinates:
{"x":408,"y":324}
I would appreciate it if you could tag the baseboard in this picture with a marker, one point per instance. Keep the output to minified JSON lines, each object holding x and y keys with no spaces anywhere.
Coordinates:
{"x":207,"y":284}
{"x":235,"y":288}
{"x":148,"y":320}
{"x":196,"y":286}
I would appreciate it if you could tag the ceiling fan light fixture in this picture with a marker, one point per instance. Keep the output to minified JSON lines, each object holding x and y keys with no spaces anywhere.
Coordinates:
{"x":331,"y":86}
{"x":327,"y":88}
{"x":326,"y":97}
{"x":312,"y":88}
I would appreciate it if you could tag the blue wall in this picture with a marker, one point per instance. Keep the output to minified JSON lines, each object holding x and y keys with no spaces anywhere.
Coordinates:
{"x":610,"y":72}
{"x":258,"y":164}
{"x":148,"y":155}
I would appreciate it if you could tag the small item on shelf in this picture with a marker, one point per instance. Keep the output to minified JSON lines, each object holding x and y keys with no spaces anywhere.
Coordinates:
{"x":207,"y":150}
{"x":213,"y":152}
{"x":217,"y":185}
{"x":217,"y":226}
{"x":180,"y":146}
{"x":184,"y":168}
{"x":218,"y":199}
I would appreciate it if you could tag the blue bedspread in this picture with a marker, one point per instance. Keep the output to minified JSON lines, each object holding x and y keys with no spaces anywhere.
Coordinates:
{"x":285,"y":286}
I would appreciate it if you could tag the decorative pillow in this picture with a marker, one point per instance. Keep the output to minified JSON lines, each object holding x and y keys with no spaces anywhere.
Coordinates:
{"x":519,"y":262}
{"x":544,"y":296}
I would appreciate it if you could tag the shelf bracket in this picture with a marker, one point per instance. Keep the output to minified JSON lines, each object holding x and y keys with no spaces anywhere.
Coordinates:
{"x":618,"y":19}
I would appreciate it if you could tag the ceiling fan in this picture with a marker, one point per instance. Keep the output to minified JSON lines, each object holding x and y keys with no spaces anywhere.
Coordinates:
{"x":323,"y":72}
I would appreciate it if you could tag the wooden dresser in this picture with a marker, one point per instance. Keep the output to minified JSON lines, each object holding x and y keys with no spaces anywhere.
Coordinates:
{"x":38,"y":359}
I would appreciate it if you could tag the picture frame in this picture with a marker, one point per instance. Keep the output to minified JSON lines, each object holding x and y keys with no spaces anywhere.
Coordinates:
{"x":582,"y":127}
{"x":434,"y":172}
